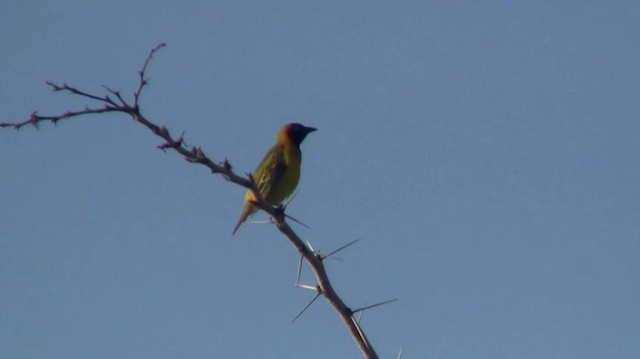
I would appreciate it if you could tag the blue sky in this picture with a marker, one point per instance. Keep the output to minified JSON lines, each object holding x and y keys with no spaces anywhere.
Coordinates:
{"x":487,"y":153}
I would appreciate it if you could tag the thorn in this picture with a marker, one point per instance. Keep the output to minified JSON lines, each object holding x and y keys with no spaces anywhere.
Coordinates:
{"x":374,"y":305}
{"x":227,"y":166}
{"x":34,"y":122}
{"x":359,"y":318}
{"x":180,"y":140}
{"x":295,"y":220}
{"x":299,"y":271}
{"x":341,"y":248}
{"x":360,"y":333}
{"x":306,"y":286}
{"x":196,"y":155}
{"x":284,"y":206}
{"x":269,"y":221}
{"x":306,"y":306}
{"x":291,"y":198}
{"x":400,"y":353}
{"x":178,"y":143}
{"x":310,"y":247}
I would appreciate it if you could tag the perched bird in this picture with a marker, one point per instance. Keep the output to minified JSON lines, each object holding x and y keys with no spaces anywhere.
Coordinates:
{"x":278,"y":173}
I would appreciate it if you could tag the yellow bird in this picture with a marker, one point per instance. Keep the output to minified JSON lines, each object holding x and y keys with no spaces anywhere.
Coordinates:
{"x":278,"y":173}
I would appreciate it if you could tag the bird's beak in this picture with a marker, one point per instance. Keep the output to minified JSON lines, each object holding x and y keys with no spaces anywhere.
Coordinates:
{"x":309,"y":129}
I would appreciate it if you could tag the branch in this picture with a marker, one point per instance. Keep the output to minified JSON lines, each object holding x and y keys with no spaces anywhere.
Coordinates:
{"x":114,"y":102}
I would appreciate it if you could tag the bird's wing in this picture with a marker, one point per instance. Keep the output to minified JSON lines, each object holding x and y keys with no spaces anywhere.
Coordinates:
{"x":270,"y":170}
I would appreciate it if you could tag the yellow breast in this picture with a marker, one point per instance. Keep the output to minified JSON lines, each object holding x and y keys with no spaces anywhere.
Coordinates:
{"x":289,"y":181}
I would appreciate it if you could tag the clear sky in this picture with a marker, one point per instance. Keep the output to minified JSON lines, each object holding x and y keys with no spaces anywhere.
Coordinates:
{"x":487,"y":153}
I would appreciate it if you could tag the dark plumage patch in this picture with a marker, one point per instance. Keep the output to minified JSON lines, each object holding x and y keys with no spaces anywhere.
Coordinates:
{"x":297,"y":132}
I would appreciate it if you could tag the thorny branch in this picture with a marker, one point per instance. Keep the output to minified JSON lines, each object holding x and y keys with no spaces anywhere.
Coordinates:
{"x":113,"y":101}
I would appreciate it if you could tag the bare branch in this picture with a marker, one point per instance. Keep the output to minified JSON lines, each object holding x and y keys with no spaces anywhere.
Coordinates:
{"x":64,"y":87}
{"x":143,"y":81}
{"x":195,"y":154}
{"x":117,"y":95}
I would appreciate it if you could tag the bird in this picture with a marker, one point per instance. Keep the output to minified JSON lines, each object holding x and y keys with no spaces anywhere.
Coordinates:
{"x":278,"y":173}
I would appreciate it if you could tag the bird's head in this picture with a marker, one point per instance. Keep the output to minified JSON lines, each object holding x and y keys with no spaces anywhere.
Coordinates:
{"x":294,"y":132}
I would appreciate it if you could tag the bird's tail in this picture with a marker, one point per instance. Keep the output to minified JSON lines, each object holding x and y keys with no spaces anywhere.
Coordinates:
{"x":247,"y":210}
